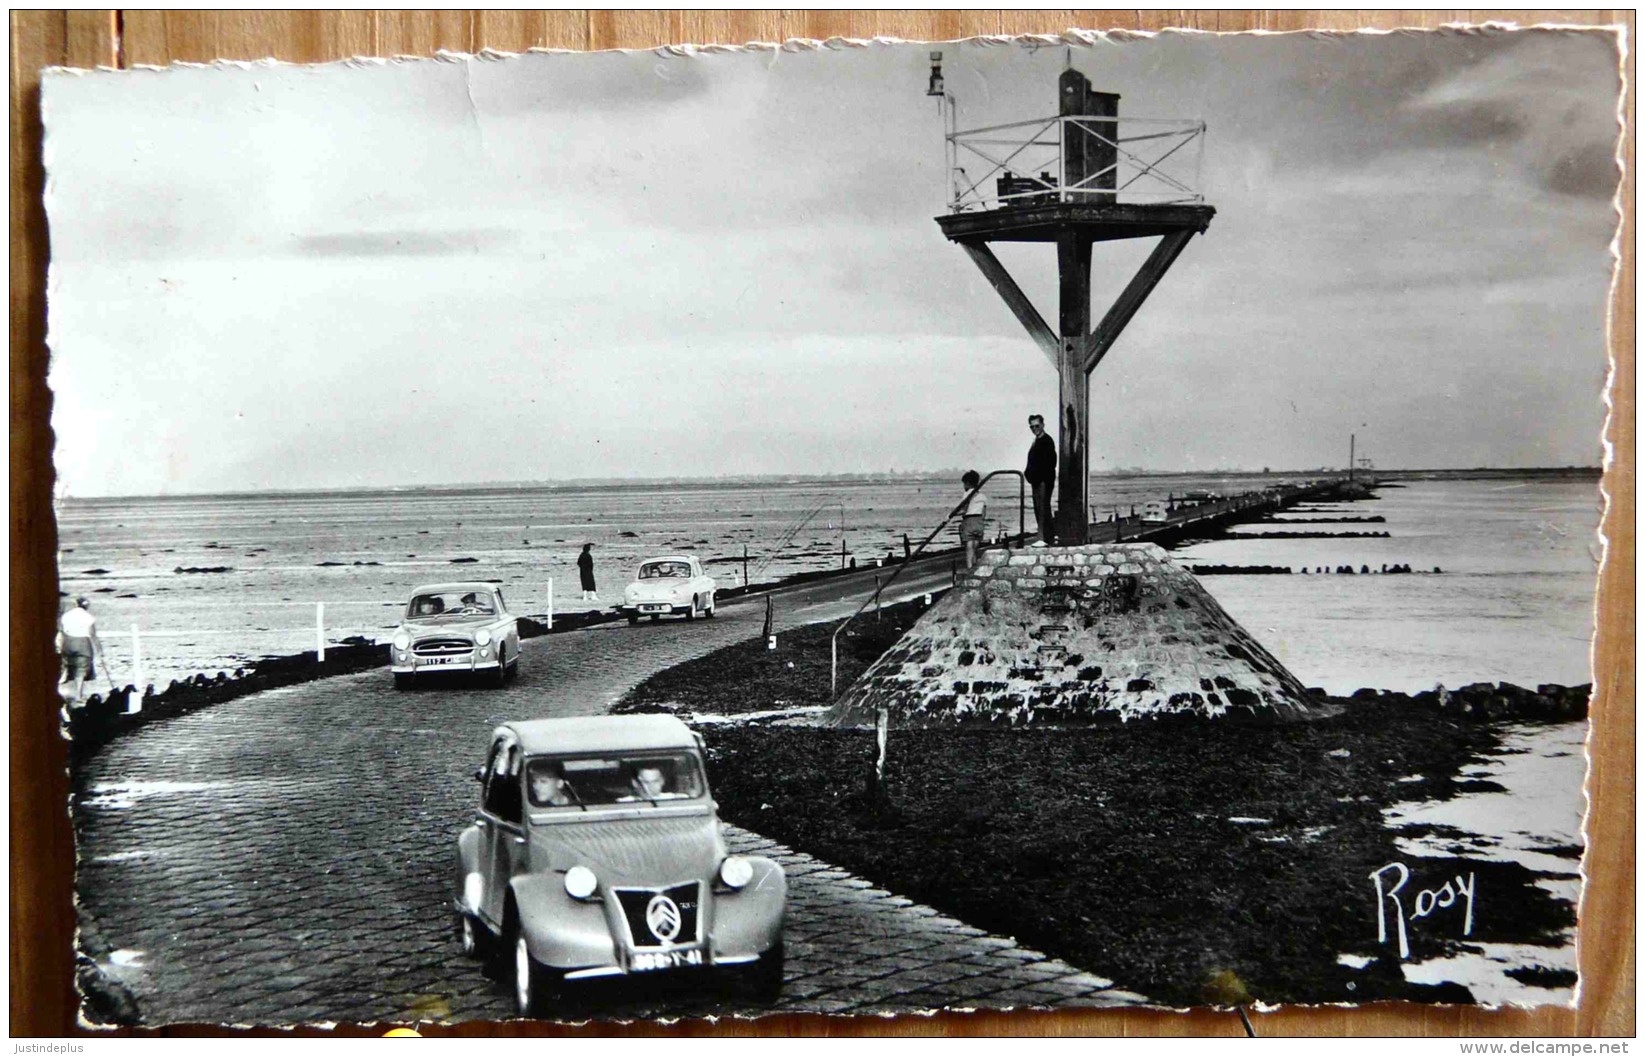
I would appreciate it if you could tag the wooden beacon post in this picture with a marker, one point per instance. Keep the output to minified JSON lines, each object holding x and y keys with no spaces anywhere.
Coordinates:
{"x":1078,"y":207}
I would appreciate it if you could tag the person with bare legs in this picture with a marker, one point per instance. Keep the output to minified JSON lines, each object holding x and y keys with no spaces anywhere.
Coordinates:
{"x":976,"y":514}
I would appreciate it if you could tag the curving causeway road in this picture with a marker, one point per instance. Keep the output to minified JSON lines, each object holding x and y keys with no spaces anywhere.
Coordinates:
{"x":284,"y":858}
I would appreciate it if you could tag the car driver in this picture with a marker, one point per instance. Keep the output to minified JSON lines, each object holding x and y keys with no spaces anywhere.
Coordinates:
{"x":648,"y":783}
{"x":548,"y":786}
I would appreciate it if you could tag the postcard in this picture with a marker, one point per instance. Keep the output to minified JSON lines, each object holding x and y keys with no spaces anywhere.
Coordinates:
{"x":854,"y":528}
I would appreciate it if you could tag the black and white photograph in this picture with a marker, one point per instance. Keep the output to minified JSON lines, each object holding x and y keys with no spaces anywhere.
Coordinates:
{"x":856,"y":527}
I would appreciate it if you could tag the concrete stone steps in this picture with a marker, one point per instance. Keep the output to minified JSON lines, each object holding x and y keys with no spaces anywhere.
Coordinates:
{"x":1074,"y":634}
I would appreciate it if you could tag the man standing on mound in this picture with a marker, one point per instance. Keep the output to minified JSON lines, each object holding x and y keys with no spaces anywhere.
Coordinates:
{"x":1042,"y":476}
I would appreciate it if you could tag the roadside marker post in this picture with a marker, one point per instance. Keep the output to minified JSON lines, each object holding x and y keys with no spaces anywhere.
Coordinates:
{"x":882,"y":726}
{"x":320,"y":632}
{"x":549,"y":610}
{"x":880,"y":797}
{"x":134,"y":703}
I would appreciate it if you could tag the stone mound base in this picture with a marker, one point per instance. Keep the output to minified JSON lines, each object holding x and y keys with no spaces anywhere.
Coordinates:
{"x":1074,"y":635}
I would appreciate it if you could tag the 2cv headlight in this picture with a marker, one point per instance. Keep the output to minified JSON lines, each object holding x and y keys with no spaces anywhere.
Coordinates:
{"x":580,"y":882}
{"x":736,"y":871}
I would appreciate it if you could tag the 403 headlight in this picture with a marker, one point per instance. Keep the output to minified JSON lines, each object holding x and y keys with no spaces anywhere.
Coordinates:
{"x":580,"y":882}
{"x":736,"y":871}
{"x":402,"y":641}
{"x":482,"y":637}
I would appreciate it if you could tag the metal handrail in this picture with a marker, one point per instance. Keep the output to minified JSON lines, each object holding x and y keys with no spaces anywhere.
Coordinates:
{"x":1003,"y":153}
{"x":879,"y":588}
{"x":794,"y":530}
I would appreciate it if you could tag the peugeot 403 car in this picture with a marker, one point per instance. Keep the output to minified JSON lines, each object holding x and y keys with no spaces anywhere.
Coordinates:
{"x":597,"y":852}
{"x":672,"y":584}
{"x":459,"y":627}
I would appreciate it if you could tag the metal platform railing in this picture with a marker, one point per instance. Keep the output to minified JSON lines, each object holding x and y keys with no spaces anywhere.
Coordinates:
{"x":1021,"y":163}
{"x":879,"y":588}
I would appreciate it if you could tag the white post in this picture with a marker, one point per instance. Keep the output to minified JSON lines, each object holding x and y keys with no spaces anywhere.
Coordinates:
{"x":134,"y":703}
{"x":320,"y":632}
{"x":882,"y":726}
{"x":550,"y":610}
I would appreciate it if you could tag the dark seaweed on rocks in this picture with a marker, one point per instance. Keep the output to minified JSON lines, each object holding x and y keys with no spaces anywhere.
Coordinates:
{"x":794,"y":674}
{"x":1112,"y":847}
{"x":1241,"y":570}
{"x":104,"y":716}
{"x":1311,"y":535}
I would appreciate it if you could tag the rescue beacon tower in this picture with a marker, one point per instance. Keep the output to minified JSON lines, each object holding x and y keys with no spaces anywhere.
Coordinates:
{"x":1073,"y":179}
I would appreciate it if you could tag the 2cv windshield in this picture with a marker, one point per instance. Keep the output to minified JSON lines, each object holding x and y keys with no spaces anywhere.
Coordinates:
{"x":628,"y":779}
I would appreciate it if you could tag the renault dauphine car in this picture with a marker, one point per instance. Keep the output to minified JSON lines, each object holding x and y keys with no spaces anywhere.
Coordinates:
{"x":458,"y":627}
{"x":671,"y":584}
{"x":597,"y":852}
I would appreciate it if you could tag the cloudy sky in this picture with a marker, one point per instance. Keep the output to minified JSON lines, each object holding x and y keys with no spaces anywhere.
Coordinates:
{"x":561,"y":266}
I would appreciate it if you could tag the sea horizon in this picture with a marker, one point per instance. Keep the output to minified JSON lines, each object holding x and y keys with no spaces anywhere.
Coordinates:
{"x":863,"y":477}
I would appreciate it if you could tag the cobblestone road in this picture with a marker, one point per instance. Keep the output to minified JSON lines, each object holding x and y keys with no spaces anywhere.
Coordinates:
{"x":285,"y":857}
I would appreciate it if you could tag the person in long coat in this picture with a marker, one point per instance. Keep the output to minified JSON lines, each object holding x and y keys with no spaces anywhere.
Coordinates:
{"x":585,"y":567}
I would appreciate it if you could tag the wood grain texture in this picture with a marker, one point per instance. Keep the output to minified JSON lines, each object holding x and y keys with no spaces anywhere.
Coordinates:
{"x":41,"y":867}
{"x":42,"y":855}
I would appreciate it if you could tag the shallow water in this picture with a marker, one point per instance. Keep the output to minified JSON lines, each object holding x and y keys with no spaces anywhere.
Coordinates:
{"x":1540,"y":810}
{"x":1514,"y":603}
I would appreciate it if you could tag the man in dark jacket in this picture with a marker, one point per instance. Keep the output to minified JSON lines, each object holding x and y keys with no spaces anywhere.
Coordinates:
{"x":1042,"y":475}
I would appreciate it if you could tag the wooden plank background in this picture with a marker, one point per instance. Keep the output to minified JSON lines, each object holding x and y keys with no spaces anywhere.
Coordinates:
{"x":42,"y":917}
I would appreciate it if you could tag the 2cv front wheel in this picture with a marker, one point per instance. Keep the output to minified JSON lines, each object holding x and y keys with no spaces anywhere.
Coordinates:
{"x":534,"y":983}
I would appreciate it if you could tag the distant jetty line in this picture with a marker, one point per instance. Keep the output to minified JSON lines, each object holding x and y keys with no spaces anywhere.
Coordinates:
{"x":943,"y":476}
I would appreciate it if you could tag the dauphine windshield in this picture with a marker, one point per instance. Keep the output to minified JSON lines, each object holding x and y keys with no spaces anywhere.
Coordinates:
{"x":665,"y":570}
{"x":593,"y":781}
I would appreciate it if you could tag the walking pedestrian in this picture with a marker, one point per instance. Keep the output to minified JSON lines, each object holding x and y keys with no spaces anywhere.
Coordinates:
{"x":585,"y":568}
{"x":976,"y":513}
{"x":1041,"y":473}
{"x":81,"y":649}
